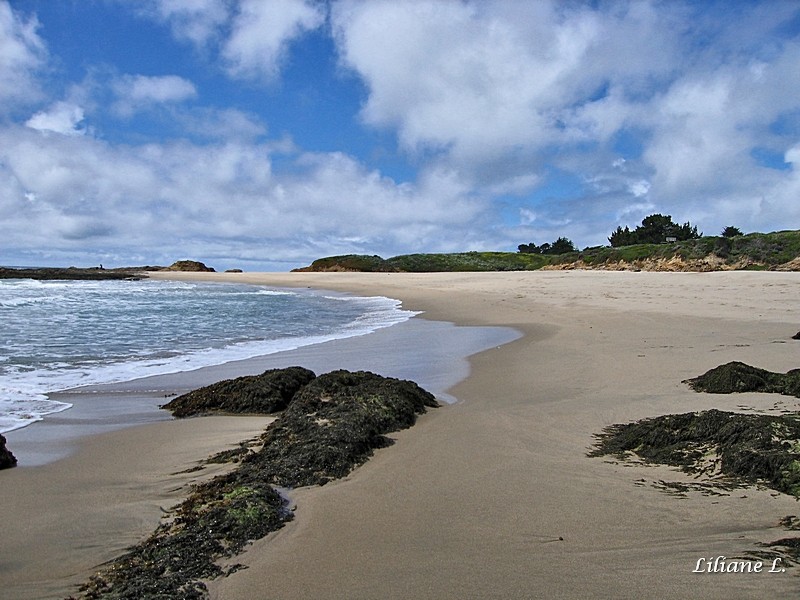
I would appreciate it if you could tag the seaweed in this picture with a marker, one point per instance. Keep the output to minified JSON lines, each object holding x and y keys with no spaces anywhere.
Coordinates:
{"x":331,"y":425}
{"x":756,"y":448}
{"x":334,"y":424}
{"x":217,"y":520}
{"x":730,"y":447}
{"x":254,"y":394}
{"x":737,"y":376}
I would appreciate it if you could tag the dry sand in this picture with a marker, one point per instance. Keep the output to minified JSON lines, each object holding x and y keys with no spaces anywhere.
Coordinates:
{"x":494,"y":497}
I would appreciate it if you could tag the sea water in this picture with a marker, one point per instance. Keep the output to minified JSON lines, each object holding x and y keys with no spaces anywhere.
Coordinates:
{"x":59,"y":335}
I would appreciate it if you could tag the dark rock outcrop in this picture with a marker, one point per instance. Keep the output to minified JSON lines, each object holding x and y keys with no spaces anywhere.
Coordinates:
{"x":739,"y":377}
{"x":796,"y":336}
{"x":332,"y":425}
{"x":189,"y":265}
{"x":53,"y":273}
{"x":266,"y":393}
{"x":7,"y":459}
{"x":752,"y":447}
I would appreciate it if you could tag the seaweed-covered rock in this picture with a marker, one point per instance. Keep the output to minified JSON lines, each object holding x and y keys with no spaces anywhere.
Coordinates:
{"x":7,"y":459}
{"x":331,"y":426}
{"x":754,"y":447}
{"x":737,"y":376}
{"x":334,"y":424}
{"x":254,"y":394}
{"x":219,"y":518}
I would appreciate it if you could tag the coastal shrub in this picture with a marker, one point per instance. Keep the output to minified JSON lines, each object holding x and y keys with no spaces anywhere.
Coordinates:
{"x":349,"y":262}
{"x":468,"y":261}
{"x":752,"y":251}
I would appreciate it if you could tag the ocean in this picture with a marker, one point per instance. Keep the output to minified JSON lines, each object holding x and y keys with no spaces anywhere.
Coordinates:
{"x":59,"y":335}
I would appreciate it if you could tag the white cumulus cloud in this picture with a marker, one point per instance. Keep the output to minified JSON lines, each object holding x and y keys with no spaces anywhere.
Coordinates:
{"x":22,"y":54}
{"x":61,"y":117}
{"x":261,"y":32}
{"x":139,"y":92}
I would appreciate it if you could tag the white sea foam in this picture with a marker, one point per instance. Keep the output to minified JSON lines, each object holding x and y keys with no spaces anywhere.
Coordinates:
{"x":64,"y":335}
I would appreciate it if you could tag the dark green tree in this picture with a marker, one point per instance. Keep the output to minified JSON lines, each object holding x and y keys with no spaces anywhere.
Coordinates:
{"x":731,"y":231}
{"x":622,"y":237}
{"x":655,"y":229}
{"x":561,"y":246}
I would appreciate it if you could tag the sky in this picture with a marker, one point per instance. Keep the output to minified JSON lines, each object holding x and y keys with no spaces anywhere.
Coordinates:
{"x":263,"y":134}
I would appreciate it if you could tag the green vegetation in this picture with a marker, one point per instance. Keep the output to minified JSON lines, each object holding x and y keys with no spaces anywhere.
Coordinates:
{"x":751,"y":251}
{"x":764,"y":249}
{"x":467,"y":261}
{"x":655,"y":229}
{"x":350,"y":262}
{"x":426,"y":263}
{"x":731,"y":231}
{"x":561,"y":246}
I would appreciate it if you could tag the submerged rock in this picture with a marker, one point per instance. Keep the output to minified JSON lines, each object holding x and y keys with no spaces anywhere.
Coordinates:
{"x":7,"y":459}
{"x":256,"y":394}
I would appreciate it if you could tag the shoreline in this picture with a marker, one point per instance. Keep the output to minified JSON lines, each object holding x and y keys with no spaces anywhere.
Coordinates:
{"x":472,"y":501}
{"x":103,"y":408}
{"x":33,"y":389}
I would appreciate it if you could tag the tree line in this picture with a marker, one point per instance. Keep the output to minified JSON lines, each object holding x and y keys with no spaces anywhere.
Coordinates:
{"x":655,"y":229}
{"x":561,"y":246}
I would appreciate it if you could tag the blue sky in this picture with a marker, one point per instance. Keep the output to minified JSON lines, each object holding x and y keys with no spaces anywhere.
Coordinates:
{"x":263,"y":134}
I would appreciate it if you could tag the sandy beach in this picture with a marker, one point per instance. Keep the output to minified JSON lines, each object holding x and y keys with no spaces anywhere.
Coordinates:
{"x":492,"y":496}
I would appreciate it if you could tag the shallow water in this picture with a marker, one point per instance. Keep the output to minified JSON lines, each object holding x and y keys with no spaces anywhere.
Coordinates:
{"x":63,"y":334}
